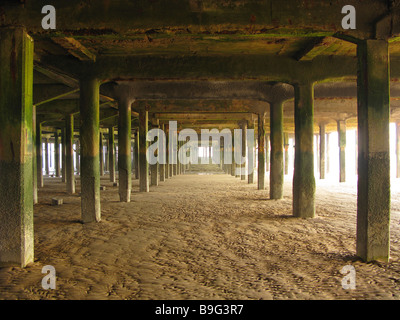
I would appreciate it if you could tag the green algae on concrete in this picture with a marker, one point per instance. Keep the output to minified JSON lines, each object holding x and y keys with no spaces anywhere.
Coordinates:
{"x":16,"y":145}
{"x":69,"y":156}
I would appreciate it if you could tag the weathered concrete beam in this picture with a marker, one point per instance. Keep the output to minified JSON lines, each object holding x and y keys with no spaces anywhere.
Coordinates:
{"x":57,"y":76}
{"x":253,"y":17}
{"x":75,"y":48}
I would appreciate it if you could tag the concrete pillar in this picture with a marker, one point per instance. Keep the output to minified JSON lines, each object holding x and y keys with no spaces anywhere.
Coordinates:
{"x":233,"y":165}
{"x":90,"y":162}
{"x":69,"y":157}
{"x":161,"y":165}
{"x":154,"y":168}
{"x":167,"y":167}
{"x":77,"y":154}
{"x":261,"y":151}
{"x":111,"y":153}
{"x":317,"y":151}
{"x":267,"y":151}
{"x":143,"y":164}
{"x":250,"y":155}
{"x":373,"y":202}
{"x":101,"y":156}
{"x":341,"y":128}
{"x":63,"y":153}
{"x":16,"y":155}
{"x":322,"y":151}
{"x":57,"y":153}
{"x":303,"y":177}
{"x":46,"y":156}
{"x":39,"y":155}
{"x":137,"y":138}
{"x":243,"y":127}
{"x":398,"y":150}
{"x":124,"y":149}
{"x":34,"y":157}
{"x":276,"y":173}
{"x":286,"y":147}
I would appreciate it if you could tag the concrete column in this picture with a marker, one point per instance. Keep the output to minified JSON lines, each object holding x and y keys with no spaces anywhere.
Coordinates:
{"x":322,"y":151}
{"x":267,"y":151}
{"x":398,"y":150}
{"x":317,"y":151}
{"x":303,"y":177}
{"x":250,"y":156}
{"x":16,"y":155}
{"x":101,"y":156}
{"x":69,"y":157}
{"x":162,"y":166}
{"x":233,"y":165}
{"x":243,"y":126}
{"x":57,"y":153}
{"x":167,"y":167}
{"x":373,"y":203}
{"x":276,"y":173}
{"x":90,"y":162}
{"x":341,"y":128}
{"x":124,"y":149}
{"x":286,"y":147}
{"x":77,"y":154}
{"x":175,"y":164}
{"x":143,"y":164}
{"x":154,"y":168}
{"x":261,"y":151}
{"x":46,"y":156}
{"x":34,"y":157}
{"x":63,"y":153}
{"x":111,"y":153}
{"x":137,"y":138}
{"x":39,"y":155}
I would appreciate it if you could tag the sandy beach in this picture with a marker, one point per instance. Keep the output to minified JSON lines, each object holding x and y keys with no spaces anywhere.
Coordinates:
{"x":202,"y":236}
